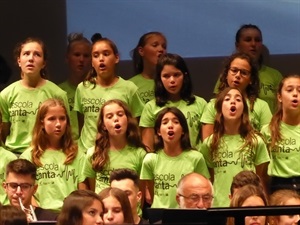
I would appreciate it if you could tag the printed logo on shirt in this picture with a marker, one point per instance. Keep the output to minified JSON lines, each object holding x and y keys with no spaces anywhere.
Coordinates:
{"x":287,"y":145}
{"x":226,"y":158}
{"x":103,"y":177}
{"x":23,"y":109}
{"x":53,"y":170}
{"x":193,"y":119}
{"x":265,"y":88}
{"x":165,"y":181}
{"x":92,"y":104}
{"x":146,"y":96}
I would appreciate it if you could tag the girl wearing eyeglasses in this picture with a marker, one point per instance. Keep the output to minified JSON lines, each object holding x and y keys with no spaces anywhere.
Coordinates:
{"x":234,"y":145}
{"x":239,"y":71}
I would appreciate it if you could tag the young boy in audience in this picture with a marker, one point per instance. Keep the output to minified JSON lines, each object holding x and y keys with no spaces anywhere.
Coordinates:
{"x":128,"y":181}
{"x":20,"y":187}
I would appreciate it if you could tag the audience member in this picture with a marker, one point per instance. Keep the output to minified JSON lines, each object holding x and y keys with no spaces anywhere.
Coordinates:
{"x":243,"y":178}
{"x":20,"y":186}
{"x":248,"y":196}
{"x":11,"y":215}
{"x":194,"y":191}
{"x":128,"y":181}
{"x":81,"y":207}
{"x":284,"y":197}
{"x":117,"y":208}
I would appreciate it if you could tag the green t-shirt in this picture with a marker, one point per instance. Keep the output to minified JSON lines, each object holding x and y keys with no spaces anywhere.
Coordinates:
{"x":166,"y":171}
{"x":128,"y":157}
{"x":286,"y":157}
{"x":230,"y":161}
{"x":55,"y":180}
{"x":19,"y":107}
{"x":269,"y":80}
{"x":6,"y":157}
{"x":70,"y":89}
{"x":261,"y":114}
{"x":89,"y":100}
{"x":145,"y":87}
{"x":192,"y":112}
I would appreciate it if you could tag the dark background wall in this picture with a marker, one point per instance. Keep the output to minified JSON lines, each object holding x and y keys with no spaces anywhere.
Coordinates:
{"x":47,"y":19}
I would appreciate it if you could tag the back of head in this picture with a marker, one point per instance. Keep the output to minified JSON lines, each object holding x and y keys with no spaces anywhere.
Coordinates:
{"x":245,"y":192}
{"x":243,"y":178}
{"x":11,"y":215}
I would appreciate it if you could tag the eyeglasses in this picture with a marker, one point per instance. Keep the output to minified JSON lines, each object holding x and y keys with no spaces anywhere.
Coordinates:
{"x":14,"y":186}
{"x":243,"y":72}
{"x":196,"y":198}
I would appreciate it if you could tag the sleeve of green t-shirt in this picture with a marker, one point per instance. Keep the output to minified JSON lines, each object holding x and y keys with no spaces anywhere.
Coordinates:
{"x":209,"y":113}
{"x":205,"y":150}
{"x":148,"y":117}
{"x":262,"y":154}
{"x":147,"y":172}
{"x":87,"y":170}
{"x":201,"y":166}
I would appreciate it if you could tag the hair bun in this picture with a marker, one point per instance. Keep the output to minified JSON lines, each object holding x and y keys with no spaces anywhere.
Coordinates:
{"x":96,"y":37}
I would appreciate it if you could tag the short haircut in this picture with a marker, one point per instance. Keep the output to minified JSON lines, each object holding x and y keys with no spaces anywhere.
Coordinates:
{"x":22,"y":167}
{"x":243,"y":178}
{"x":124,"y":173}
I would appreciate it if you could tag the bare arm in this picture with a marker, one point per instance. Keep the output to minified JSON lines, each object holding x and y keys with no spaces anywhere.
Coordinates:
{"x":149,"y":195}
{"x":207,"y":130}
{"x":261,"y":171}
{"x":84,"y":185}
{"x":80,"y":121}
{"x":148,"y":137}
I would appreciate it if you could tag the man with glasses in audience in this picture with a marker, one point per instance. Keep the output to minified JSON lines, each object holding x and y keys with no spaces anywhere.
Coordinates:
{"x":194,"y":191}
{"x":20,"y":187}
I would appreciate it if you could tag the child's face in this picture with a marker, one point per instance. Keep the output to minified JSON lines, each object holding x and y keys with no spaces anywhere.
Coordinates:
{"x":55,"y":123}
{"x":170,"y":129}
{"x":113,"y":212}
{"x":172,"y":79}
{"x":232,"y":107}
{"x":103,"y":59}
{"x":290,"y":95}
{"x":289,"y":219}
{"x":114,"y":119}
{"x":257,"y":220}
{"x":93,"y":214}
{"x":239,"y":74}
{"x":155,"y":46}
{"x":31,"y":59}
{"x":250,"y":42}
{"x":79,"y":58}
